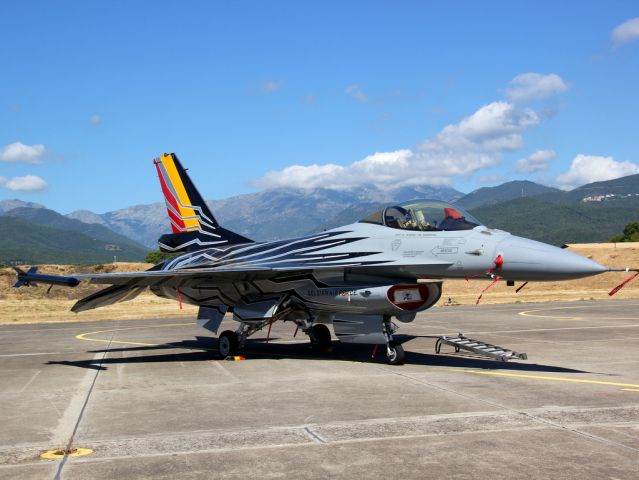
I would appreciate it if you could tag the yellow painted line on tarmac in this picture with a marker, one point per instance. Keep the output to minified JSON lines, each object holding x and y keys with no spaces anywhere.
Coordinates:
{"x":541,"y":377}
{"x":532,"y":313}
{"x":630,"y":390}
{"x":555,"y":379}
{"x":84,"y":336}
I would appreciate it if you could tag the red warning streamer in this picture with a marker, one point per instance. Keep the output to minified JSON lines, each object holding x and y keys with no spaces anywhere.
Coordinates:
{"x":499,"y":263}
{"x":622,"y":284}
{"x":495,"y":280}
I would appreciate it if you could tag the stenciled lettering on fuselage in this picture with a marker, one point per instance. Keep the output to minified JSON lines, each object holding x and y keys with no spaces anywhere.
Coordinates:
{"x":331,"y":292}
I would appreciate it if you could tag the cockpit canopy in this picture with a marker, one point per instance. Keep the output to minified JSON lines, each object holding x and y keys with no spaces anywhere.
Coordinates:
{"x":424,"y":215}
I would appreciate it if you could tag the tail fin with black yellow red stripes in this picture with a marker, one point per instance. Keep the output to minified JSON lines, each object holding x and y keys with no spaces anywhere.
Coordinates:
{"x":194,"y":226}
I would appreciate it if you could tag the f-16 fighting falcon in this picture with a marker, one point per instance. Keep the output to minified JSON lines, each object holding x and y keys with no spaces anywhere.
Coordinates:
{"x":357,"y":278}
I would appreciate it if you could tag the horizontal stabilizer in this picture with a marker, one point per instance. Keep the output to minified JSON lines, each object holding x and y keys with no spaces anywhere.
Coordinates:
{"x":108,"y":296}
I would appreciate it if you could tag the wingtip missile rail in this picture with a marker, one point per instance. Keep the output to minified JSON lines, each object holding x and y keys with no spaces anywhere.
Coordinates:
{"x":32,"y":278}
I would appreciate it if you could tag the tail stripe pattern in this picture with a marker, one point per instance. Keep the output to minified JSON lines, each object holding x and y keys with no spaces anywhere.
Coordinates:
{"x":194,"y":226}
{"x":184,"y":216}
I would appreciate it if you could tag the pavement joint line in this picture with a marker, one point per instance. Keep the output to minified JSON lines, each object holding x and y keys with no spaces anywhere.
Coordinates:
{"x":33,"y":354}
{"x":63,"y":462}
{"x":314,"y":436}
{"x":112,"y":445}
{"x":565,"y":428}
{"x":33,"y":377}
{"x":97,"y":458}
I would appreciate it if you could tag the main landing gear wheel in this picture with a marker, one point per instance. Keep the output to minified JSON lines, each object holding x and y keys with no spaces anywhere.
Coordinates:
{"x":395,"y":354}
{"x":228,"y":344}
{"x":320,"y":338}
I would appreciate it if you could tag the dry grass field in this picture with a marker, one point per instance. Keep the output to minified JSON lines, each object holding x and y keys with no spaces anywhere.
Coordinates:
{"x":31,"y":305}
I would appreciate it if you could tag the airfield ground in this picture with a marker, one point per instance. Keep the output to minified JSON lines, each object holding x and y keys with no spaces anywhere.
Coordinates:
{"x":151,"y":401}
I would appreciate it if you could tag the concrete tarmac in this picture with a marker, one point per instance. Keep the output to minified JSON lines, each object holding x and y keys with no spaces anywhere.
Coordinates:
{"x":151,"y":400}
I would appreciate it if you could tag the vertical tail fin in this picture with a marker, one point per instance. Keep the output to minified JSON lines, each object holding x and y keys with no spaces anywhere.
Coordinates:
{"x":194,"y":226}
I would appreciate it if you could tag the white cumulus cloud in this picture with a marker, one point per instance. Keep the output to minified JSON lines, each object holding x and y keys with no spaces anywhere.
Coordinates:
{"x":626,"y":32}
{"x":271,"y":86}
{"x":593,"y":168}
{"x":535,"y":162}
{"x":476,"y":142}
{"x":19,"y":152}
{"x":28,"y":183}
{"x":535,"y":86}
{"x":357,"y":93}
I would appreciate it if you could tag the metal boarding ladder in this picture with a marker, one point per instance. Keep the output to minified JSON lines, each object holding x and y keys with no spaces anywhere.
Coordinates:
{"x":481,"y":348}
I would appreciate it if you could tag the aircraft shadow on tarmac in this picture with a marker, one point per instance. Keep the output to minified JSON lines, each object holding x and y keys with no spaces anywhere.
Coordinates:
{"x":205,"y":349}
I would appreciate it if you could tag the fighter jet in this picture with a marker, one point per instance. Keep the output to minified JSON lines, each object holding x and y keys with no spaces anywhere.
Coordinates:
{"x":357,"y":278}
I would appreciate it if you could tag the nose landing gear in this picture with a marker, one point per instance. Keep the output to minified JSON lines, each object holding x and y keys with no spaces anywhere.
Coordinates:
{"x":394,"y":351}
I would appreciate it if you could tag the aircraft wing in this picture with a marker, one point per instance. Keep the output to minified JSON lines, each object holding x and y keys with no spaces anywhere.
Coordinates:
{"x":234,"y":273}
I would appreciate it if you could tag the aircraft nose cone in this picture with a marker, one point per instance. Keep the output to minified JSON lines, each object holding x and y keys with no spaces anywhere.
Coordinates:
{"x":526,"y":259}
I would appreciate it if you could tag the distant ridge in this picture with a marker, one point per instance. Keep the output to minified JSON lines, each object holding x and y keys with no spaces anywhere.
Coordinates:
{"x":37,"y":235}
{"x":29,"y":243}
{"x":504,"y":192}
{"x":266,"y":215}
{"x":6,"y":205}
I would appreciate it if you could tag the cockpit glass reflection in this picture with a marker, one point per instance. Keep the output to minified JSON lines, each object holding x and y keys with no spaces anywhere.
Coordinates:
{"x":428,"y":215}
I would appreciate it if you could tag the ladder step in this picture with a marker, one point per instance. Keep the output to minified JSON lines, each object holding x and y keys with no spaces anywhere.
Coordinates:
{"x":461,"y":342}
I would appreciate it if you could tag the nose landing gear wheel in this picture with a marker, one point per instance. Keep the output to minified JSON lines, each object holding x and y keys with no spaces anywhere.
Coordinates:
{"x":395,"y":354}
{"x":320,"y":338}
{"x":228,"y":344}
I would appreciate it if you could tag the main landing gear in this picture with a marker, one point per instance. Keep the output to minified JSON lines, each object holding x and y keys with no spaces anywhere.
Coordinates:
{"x":320,"y":337}
{"x":228,"y":344}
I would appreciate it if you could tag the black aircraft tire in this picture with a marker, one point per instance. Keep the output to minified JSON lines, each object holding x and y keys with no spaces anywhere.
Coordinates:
{"x":397,"y":354}
{"x":228,"y":344}
{"x":321,"y":338}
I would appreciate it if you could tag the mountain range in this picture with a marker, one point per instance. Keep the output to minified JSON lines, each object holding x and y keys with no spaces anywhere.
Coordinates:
{"x":266,"y":215}
{"x":592,"y":212}
{"x":34,"y":234}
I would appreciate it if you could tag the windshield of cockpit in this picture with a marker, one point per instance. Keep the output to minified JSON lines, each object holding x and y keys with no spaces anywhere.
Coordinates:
{"x":424,"y":216}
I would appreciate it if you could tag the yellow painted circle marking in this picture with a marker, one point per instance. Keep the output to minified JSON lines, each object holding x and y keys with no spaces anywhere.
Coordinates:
{"x":84,"y":336}
{"x":60,"y":453}
{"x":533,"y":313}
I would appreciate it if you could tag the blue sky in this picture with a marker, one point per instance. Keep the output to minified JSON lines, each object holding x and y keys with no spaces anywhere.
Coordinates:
{"x":254,"y":95}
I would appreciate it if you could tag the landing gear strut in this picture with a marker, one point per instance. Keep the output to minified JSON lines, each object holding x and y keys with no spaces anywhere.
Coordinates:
{"x":394,"y":351}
